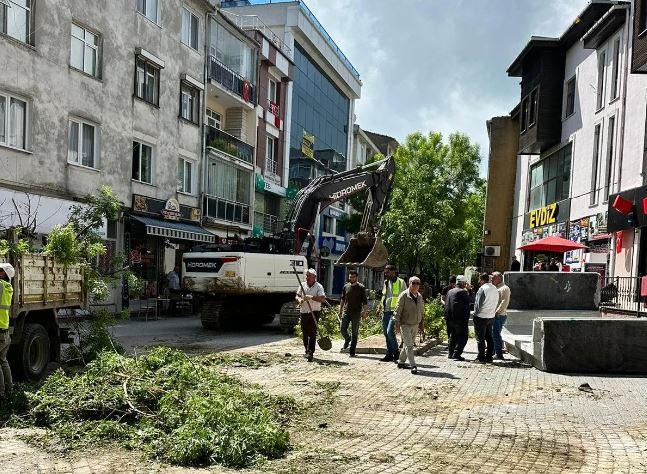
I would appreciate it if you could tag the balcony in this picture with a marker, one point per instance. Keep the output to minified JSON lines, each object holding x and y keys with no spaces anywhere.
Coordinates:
{"x":268,"y":222}
{"x":231,"y":81}
{"x":224,"y":210}
{"x":229,"y":144}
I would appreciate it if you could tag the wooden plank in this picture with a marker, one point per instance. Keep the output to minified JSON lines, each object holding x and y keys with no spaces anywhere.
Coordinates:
{"x":45,"y":283}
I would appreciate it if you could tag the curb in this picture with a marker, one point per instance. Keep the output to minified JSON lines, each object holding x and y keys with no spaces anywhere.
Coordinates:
{"x":420,"y":349}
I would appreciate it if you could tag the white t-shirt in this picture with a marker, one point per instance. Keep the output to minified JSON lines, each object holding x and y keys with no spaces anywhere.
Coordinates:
{"x":314,"y":290}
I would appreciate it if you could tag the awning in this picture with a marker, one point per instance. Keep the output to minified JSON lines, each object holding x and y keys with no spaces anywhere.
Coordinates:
{"x":175,"y":230}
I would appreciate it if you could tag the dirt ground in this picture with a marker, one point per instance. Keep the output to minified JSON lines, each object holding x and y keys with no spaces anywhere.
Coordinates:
{"x":363,"y":415}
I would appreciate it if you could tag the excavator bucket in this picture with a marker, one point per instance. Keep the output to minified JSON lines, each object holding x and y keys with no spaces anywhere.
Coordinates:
{"x":364,"y":251}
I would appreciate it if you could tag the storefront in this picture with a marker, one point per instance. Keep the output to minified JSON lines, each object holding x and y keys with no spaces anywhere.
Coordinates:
{"x":545,"y":221}
{"x":156,"y":235}
{"x":592,"y":232}
{"x":332,"y":244}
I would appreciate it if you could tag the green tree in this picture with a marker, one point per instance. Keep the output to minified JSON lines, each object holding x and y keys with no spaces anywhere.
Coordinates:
{"x":433,"y":225}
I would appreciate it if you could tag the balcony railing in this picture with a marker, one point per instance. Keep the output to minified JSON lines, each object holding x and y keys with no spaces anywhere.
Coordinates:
{"x":225,"y":210}
{"x":268,"y":222}
{"x":229,"y":144}
{"x":232,"y":81}
{"x":622,"y":294}
{"x":253,"y":22}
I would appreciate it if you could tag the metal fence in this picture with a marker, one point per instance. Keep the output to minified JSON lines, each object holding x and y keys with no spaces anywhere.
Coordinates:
{"x":623,"y":294}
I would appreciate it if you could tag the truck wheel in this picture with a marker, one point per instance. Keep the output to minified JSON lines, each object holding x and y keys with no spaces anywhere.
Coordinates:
{"x":289,"y":317}
{"x":210,"y":315}
{"x":34,"y":351}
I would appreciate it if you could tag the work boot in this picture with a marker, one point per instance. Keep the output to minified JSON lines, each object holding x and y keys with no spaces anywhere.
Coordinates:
{"x":459,"y":358}
{"x":387,"y":358}
{"x":310,"y":357}
{"x":414,"y":370}
{"x":450,"y":355}
{"x":346,"y":344}
{"x":402,"y":365}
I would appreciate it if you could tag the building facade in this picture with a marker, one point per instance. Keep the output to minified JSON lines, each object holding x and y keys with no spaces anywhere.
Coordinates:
{"x":320,"y":111}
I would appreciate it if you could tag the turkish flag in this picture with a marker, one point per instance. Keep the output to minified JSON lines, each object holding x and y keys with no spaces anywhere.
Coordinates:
{"x":619,"y":241}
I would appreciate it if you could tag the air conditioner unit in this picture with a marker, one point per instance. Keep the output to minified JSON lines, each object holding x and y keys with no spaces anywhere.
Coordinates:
{"x":492,"y":251}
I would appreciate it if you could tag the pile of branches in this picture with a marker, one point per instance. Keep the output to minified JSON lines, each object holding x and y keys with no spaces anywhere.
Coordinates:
{"x":179,"y":410}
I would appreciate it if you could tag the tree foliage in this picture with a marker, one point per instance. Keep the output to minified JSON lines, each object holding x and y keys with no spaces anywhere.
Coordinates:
{"x":434,"y":223}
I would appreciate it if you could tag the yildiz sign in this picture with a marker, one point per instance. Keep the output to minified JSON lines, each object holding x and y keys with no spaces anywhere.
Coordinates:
{"x":552,"y":213}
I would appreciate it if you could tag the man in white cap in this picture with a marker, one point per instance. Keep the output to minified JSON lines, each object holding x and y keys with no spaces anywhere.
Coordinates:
{"x":310,"y":295}
{"x":6,"y":292}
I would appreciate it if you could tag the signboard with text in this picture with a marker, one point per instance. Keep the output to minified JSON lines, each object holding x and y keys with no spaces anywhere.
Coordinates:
{"x":308,"y":145}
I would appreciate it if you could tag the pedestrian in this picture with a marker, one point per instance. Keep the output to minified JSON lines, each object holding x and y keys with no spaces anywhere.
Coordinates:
{"x":515,"y":266}
{"x":445,"y":290}
{"x":309,"y":297}
{"x":393,"y":286}
{"x":173,"y":281}
{"x":457,"y":316}
{"x":501,"y":314}
{"x":6,"y":292}
{"x":537,"y":266}
{"x":487,"y":300}
{"x":552,"y":266}
{"x":354,"y":301}
{"x":408,"y":318}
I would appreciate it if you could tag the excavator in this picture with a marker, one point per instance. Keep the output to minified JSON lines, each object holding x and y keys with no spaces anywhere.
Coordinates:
{"x":255,"y":278}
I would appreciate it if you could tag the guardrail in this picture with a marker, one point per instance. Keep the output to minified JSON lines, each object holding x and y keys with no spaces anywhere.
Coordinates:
{"x":229,"y":144}
{"x":225,"y":210}
{"x":268,"y":222}
{"x":231,"y":80}
{"x":622,"y":294}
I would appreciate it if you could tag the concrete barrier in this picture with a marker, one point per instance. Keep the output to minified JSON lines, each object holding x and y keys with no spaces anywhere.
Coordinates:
{"x":590,"y":345}
{"x":553,"y":290}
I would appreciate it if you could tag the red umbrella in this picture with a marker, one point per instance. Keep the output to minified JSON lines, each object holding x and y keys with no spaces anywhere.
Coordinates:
{"x":552,"y":244}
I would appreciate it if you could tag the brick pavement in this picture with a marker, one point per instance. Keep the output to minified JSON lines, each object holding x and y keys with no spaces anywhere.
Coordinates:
{"x":453,"y":416}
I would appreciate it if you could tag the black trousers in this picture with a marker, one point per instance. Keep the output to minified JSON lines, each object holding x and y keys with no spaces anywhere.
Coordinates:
{"x":483,"y":329}
{"x":458,"y":333}
{"x":353,"y":322}
{"x":309,"y":331}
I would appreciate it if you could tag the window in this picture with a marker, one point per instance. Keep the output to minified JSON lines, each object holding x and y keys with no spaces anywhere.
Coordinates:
{"x":229,"y":182}
{"x":616,"y":68}
{"x":147,"y":78}
{"x":271,"y":163}
{"x":189,"y":103}
{"x":82,"y":144}
{"x":550,"y":179}
{"x":272,"y":91}
{"x":600,"y":90}
{"x":184,"y":176}
{"x":13,"y":121}
{"x":328,"y":224}
{"x":148,"y":8}
{"x":84,"y":50}
{"x":142,"y":163}
{"x":232,"y":52}
{"x":190,"y":28}
{"x":214,"y":119}
{"x":15,"y":19}
{"x":524,"y":114}
{"x":610,"y":150}
{"x":570,"y":97}
{"x":596,"y":159}
{"x":532,"y":110}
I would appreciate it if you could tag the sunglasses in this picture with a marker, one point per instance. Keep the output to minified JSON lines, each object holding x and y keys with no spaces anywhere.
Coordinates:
{"x":415,"y":282}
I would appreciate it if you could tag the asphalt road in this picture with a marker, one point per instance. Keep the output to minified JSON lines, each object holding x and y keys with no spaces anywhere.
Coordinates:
{"x":186,"y":333}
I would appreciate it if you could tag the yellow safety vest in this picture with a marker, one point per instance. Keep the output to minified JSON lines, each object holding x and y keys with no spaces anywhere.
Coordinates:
{"x":5,"y":303}
{"x":397,"y":287}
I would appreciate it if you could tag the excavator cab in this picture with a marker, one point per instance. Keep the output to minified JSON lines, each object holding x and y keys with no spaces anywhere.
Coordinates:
{"x":364,"y":250}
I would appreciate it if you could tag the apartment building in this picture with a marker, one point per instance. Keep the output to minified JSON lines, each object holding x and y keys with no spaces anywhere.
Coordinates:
{"x":95,"y":93}
{"x":570,"y":118}
{"x":320,"y":111}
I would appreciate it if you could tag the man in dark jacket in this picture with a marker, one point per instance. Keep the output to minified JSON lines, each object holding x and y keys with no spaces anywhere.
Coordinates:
{"x":457,"y":315}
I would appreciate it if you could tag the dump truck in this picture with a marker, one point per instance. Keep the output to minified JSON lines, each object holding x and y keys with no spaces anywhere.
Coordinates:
{"x":42,"y":288}
{"x":257,"y":277}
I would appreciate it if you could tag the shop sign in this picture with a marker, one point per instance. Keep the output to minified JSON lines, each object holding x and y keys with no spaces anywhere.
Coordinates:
{"x":579,"y":230}
{"x":551,"y":214}
{"x":172,"y":210}
{"x":336,"y":213}
{"x":291,"y":193}
{"x":308,"y":145}
{"x":599,"y":246}
{"x":265,"y":185}
{"x":337,"y":245}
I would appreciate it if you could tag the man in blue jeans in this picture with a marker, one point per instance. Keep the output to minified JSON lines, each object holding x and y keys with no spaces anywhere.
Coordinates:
{"x":393,"y":286}
{"x":501,"y":313}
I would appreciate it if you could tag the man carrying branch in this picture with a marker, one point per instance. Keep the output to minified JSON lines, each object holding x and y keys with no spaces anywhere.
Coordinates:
{"x":309,"y":297}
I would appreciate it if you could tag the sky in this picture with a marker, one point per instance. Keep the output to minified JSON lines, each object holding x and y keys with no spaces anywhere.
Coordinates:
{"x":438,"y":64}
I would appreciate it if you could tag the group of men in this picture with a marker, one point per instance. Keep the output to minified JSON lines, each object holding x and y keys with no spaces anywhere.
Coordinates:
{"x":490,"y":314}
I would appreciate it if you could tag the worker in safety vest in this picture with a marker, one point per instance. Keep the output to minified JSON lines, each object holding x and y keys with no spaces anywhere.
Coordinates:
{"x":393,"y":286}
{"x":6,"y":292}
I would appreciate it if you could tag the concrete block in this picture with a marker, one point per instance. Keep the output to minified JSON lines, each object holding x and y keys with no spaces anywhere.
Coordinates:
{"x":593,"y":345}
{"x":553,"y":290}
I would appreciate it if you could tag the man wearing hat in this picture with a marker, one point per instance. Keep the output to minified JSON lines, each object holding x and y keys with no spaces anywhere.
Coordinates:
{"x":310,"y":295}
{"x":457,"y":316}
{"x":6,"y":292}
